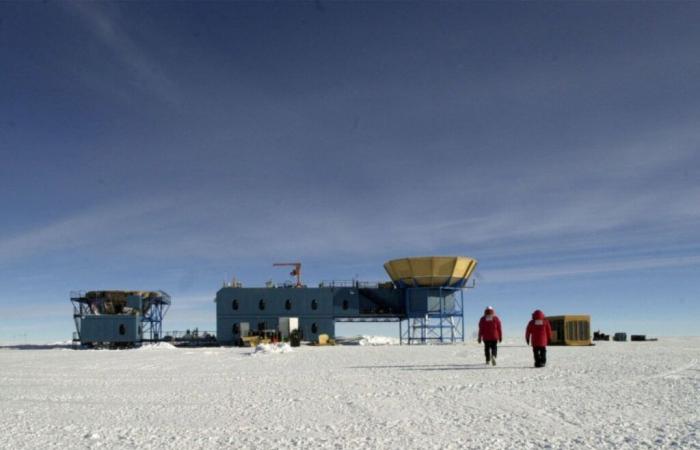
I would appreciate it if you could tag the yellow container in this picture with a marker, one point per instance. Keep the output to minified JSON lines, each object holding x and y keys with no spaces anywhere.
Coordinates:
{"x":431,"y":271}
{"x":250,"y":341}
{"x":570,"y":329}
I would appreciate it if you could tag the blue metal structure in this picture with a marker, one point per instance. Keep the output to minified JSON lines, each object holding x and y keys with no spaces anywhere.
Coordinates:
{"x":116,"y":318}
{"x":438,"y":317}
{"x":317,"y":309}
{"x":154,"y":311}
{"x":433,"y":314}
{"x":115,"y":329}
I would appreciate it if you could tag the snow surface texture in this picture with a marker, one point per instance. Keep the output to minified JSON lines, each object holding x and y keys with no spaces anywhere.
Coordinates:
{"x":613,"y":395}
{"x":369,"y":340}
{"x":157,"y":346}
{"x":265,"y":349}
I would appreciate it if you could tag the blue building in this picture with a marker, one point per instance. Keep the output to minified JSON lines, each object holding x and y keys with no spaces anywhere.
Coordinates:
{"x":425,"y":295}
{"x":118,"y":318}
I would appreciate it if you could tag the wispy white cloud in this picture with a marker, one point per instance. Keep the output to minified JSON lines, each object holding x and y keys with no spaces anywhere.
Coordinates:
{"x":145,"y":73}
{"x":591,"y":267}
{"x":214,"y":229}
{"x":101,"y":225}
{"x":609,"y":192}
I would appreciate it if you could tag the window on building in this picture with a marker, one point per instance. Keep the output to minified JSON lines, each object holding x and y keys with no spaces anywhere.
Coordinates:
{"x":122,"y":329}
{"x":288,"y":304}
{"x":261,"y":304}
{"x":314,"y":304}
{"x":236,"y":328}
{"x":234,"y":304}
{"x":346,"y":304}
{"x":314,"y":328}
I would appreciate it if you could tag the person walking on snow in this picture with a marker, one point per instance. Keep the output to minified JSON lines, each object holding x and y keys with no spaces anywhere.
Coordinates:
{"x":539,"y":333}
{"x":490,"y":333}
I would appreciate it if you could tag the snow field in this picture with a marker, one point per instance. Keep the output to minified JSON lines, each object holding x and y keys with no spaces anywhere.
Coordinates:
{"x":271,"y":348}
{"x":613,"y":395}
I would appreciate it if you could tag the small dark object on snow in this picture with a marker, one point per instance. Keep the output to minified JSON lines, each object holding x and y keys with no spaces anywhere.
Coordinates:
{"x":641,"y":338}
{"x":620,"y":337}
{"x":295,"y":338}
{"x":598,"y":336}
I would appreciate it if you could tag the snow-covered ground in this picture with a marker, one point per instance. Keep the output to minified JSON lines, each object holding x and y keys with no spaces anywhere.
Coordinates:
{"x":369,"y":340}
{"x":613,"y":395}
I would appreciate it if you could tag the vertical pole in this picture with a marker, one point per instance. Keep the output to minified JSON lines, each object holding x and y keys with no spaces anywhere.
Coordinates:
{"x":406,"y":294}
{"x":442,"y":314}
{"x":461,"y":300}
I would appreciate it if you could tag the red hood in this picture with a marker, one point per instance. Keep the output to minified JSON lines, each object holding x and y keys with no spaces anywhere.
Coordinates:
{"x":538,"y":315}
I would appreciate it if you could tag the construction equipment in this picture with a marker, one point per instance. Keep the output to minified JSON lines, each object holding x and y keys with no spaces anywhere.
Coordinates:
{"x":296,"y":272}
{"x":249,"y":341}
{"x":324,"y":339}
{"x":259,"y":337}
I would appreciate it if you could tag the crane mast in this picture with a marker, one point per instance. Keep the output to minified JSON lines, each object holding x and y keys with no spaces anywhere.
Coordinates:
{"x":296,"y":272}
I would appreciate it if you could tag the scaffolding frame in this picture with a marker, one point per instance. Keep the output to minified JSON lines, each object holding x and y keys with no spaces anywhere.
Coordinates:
{"x":441,"y":325}
{"x":81,"y":308}
{"x":151,"y":322}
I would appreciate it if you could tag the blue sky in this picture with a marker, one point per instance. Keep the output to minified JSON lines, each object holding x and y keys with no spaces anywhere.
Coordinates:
{"x":173,"y":145}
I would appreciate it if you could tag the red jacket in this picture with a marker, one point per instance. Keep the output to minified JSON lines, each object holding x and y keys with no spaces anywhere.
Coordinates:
{"x":490,"y":330}
{"x":538,"y":333}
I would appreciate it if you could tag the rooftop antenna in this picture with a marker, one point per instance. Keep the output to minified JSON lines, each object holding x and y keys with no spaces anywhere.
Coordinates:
{"x":296,"y":272}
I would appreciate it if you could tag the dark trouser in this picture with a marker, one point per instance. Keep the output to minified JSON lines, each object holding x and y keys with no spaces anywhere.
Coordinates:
{"x":540,"y":356}
{"x":490,"y":348}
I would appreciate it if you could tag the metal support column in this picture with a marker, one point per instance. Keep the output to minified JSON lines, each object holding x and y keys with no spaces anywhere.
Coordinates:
{"x":443,"y":322}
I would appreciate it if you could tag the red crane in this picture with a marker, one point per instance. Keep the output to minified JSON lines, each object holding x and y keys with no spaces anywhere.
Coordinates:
{"x":296,"y":272}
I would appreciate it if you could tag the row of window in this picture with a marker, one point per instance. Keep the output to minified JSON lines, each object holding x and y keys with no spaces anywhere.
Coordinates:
{"x":261,"y":327}
{"x":287,"y":304}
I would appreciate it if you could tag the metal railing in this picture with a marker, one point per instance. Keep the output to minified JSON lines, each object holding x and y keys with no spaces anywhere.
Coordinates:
{"x":349,"y":283}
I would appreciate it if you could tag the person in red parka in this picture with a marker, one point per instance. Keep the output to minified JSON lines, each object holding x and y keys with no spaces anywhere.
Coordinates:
{"x":490,"y":333}
{"x":539,"y":333}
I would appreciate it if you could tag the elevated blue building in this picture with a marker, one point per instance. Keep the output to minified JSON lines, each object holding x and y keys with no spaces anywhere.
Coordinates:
{"x":118,"y":318}
{"x":425,"y":297}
